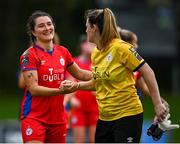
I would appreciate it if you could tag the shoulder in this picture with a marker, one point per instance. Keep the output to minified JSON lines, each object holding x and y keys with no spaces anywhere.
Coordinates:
{"x":61,"y":48}
{"x":28,"y":51}
{"x":120,"y":44}
{"x":76,"y":58}
{"x":120,"y":47}
{"x":126,"y":48}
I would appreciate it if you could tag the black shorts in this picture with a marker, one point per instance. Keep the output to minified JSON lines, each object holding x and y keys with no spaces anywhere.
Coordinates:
{"x":123,"y":130}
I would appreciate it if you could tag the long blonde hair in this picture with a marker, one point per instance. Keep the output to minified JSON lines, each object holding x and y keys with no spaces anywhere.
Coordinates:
{"x":106,"y":23}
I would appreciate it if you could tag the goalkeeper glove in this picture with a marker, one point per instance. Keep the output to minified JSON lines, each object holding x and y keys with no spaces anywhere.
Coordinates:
{"x":156,"y":130}
{"x":166,"y":125}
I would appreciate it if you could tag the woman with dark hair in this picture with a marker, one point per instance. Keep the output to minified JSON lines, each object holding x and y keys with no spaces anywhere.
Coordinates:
{"x":43,"y":66}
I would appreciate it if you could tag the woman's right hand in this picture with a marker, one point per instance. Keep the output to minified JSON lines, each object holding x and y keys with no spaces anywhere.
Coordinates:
{"x":68,"y":86}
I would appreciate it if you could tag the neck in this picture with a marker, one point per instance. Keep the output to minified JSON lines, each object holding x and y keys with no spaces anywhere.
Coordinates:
{"x":97,"y":42}
{"x":48,"y":46}
{"x":99,"y":47}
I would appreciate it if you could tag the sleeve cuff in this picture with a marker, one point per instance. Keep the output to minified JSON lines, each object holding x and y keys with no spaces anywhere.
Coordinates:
{"x":139,"y":66}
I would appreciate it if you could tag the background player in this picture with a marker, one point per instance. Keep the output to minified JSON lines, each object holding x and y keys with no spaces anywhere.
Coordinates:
{"x":84,"y":112}
{"x":141,"y":85}
{"x":156,"y":130}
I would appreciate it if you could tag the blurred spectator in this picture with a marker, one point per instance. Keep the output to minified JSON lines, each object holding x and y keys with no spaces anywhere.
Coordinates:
{"x":84,"y":112}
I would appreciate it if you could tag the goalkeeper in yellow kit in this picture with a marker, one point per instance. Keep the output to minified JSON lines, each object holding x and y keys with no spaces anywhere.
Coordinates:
{"x":113,"y":64}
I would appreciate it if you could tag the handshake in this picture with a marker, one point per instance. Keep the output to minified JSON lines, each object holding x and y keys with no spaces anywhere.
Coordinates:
{"x":68,"y":86}
{"x":156,"y":130}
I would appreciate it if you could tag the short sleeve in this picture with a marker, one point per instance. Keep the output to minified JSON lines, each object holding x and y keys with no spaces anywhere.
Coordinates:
{"x":70,"y":59}
{"x":28,"y":61}
{"x":130,"y":58}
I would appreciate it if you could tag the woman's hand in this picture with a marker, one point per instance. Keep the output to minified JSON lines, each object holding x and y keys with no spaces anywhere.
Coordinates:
{"x":68,"y":86}
{"x":161,"y":112}
{"x":165,"y":103}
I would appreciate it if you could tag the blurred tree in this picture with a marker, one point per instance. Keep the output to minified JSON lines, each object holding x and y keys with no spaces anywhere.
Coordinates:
{"x":10,"y":18}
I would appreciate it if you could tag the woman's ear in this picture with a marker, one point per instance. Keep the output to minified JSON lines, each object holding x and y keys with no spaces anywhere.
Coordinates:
{"x":34,"y":34}
{"x":95,"y":28}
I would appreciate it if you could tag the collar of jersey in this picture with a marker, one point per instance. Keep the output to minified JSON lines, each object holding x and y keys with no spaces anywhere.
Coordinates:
{"x":37,"y":46}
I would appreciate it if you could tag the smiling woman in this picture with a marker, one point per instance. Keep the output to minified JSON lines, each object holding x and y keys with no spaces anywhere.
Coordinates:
{"x":43,"y":66}
{"x":44,"y":29}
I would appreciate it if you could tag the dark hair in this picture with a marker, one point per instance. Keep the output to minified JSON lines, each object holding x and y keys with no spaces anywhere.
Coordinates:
{"x":96,"y":16}
{"x":127,"y":35}
{"x":31,"y":23}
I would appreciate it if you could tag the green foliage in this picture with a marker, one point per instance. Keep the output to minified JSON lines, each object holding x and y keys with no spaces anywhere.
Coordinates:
{"x":174,"y":111}
{"x":9,"y":106}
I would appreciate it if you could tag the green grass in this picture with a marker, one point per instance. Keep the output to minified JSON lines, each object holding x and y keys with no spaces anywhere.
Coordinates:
{"x":174,"y":102}
{"x":10,"y":104}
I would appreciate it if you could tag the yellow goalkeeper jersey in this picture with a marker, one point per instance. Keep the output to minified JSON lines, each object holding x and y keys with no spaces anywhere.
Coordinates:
{"x":114,"y":82}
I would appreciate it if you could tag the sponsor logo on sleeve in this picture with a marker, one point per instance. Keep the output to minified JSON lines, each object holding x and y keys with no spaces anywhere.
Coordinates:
{"x":136,"y":54}
{"x":25,"y":61}
{"x":25,"y":58}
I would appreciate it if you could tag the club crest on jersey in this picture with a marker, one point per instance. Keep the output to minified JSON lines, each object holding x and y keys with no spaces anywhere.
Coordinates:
{"x":29,"y":131}
{"x":109,"y":58}
{"x":62,"y":62}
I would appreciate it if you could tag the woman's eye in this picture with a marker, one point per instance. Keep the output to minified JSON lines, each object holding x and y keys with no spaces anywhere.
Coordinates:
{"x":49,"y":24}
{"x":40,"y":26}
